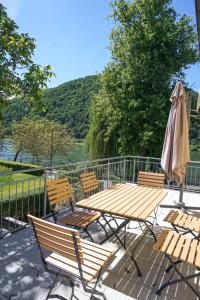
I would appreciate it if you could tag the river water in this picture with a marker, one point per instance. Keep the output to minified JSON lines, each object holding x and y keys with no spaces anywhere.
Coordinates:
{"x":76,"y":153}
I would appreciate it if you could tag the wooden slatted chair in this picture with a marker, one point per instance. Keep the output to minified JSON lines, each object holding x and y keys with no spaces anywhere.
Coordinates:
{"x":90,"y":186}
{"x":89,"y":182}
{"x":188,"y":222}
{"x":70,"y":253}
{"x":59,"y":193}
{"x":150,"y":179}
{"x":178,"y":248}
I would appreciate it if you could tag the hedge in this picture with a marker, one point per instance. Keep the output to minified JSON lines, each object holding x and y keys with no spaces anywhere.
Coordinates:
{"x":16,"y":166}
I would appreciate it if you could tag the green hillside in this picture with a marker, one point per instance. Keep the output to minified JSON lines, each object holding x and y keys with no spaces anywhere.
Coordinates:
{"x":67,"y":103}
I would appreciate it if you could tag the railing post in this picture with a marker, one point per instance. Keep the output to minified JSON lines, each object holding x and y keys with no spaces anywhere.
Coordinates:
{"x":124,"y":170}
{"x":134,"y":170}
{"x":45,"y":194}
{"x":108,"y":174}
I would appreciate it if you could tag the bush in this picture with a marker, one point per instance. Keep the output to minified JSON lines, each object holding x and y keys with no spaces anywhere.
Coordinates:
{"x":15,"y":166}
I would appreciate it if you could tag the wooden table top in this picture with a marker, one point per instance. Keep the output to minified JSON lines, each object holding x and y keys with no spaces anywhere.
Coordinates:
{"x":125,"y":200}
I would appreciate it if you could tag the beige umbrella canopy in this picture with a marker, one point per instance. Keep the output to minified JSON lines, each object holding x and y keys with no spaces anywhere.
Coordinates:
{"x":175,"y":154}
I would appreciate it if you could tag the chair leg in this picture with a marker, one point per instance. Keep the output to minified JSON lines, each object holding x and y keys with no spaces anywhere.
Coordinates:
{"x":93,"y":290}
{"x":181,"y":279}
{"x":54,"y":282}
{"x":87,"y":232}
{"x":149,"y":228}
{"x":102,"y":227}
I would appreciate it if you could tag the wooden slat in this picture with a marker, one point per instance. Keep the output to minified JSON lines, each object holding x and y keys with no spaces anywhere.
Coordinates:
{"x":139,"y":199}
{"x":80,"y":219}
{"x":167,"y":241}
{"x":56,"y":245}
{"x":91,"y":188}
{"x":60,"y":234}
{"x":197,"y":226}
{"x":158,"y":244}
{"x":172,"y":215}
{"x":151,"y":174}
{"x":58,"y":190}
{"x":87,"y":267}
{"x":193,"y":223}
{"x":176,"y":221}
{"x":188,"y":221}
{"x":150,"y":179}
{"x":107,"y":196}
{"x":67,"y":267}
{"x":197,"y":260}
{"x":118,"y":201}
{"x":179,"y":247}
{"x":186,"y":248}
{"x":87,"y":174}
{"x":142,"y":205}
{"x":154,"y":203}
{"x":192,"y":252}
{"x":182,"y":220}
{"x":173,"y":244}
{"x":55,"y":227}
{"x":89,"y":182}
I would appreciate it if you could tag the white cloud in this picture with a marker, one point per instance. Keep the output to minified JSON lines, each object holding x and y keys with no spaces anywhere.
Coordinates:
{"x":13,"y":7}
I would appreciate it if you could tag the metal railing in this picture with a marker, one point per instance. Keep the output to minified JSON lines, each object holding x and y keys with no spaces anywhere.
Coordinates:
{"x":24,"y":191}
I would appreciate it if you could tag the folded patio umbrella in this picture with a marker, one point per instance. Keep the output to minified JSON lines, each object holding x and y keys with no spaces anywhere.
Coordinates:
{"x":175,"y":154}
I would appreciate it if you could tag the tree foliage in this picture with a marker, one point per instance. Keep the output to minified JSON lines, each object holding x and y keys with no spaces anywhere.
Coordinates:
{"x":19,"y":75}
{"x":151,"y":47}
{"x":67,"y":103}
{"x":40,"y":138}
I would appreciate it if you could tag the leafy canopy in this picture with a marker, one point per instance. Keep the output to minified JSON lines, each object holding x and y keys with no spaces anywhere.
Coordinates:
{"x":67,"y":103}
{"x":151,"y":46}
{"x":19,"y":75}
{"x":41,"y":138}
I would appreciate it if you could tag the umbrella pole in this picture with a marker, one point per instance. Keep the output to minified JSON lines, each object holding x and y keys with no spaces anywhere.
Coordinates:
{"x":181,"y":203}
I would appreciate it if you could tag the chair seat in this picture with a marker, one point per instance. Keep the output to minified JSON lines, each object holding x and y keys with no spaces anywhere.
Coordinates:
{"x":183,"y":220}
{"x":94,"y":258}
{"x":80,"y":218}
{"x":179,"y":246}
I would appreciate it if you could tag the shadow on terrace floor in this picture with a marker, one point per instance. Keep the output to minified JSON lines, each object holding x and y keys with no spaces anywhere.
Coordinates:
{"x":22,"y":276}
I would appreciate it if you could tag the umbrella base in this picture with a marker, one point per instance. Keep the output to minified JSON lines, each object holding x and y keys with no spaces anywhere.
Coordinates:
{"x":177,"y":205}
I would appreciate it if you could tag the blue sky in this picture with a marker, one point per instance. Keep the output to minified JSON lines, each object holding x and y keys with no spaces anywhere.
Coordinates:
{"x":72,"y":35}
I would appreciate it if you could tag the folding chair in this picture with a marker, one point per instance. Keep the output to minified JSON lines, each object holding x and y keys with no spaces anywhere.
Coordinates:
{"x":151,"y":180}
{"x":70,"y":254}
{"x":188,"y":222}
{"x":90,"y":186}
{"x":59,"y":193}
{"x":178,"y":248}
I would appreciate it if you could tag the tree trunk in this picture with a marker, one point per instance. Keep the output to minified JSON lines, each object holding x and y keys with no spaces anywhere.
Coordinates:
{"x":16,"y":155}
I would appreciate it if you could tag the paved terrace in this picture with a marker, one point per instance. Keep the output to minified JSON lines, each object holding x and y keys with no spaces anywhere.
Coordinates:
{"x":23,"y":277}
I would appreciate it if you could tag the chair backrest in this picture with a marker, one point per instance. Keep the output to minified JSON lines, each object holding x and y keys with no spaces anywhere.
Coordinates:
{"x":89,"y":182}
{"x":58,"y":191}
{"x":150,"y":179}
{"x":57,"y":239}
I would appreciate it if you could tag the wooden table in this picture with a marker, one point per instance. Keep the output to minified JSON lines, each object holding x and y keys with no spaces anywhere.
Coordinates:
{"x":125,"y":200}
{"x":128,"y":201}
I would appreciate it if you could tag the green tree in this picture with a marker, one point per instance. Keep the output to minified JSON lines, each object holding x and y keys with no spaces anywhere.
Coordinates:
{"x":19,"y":75}
{"x":151,"y":47}
{"x":41,"y":138}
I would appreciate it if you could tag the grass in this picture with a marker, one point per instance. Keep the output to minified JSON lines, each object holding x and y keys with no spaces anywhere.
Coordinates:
{"x":17,"y":185}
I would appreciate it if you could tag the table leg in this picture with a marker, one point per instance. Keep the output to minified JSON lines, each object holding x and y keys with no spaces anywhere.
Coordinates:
{"x":149,"y":228}
{"x":114,"y":233}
